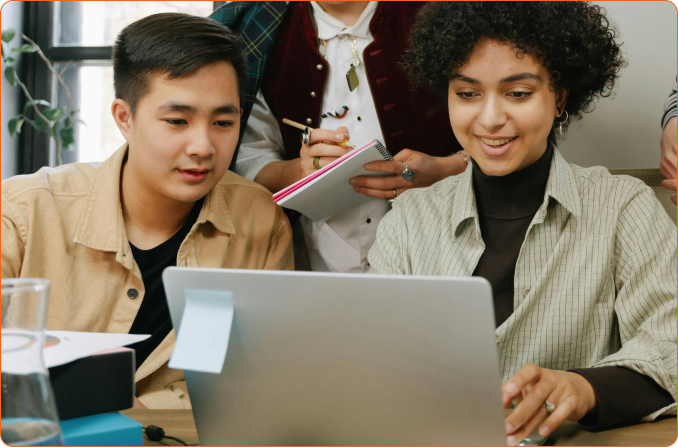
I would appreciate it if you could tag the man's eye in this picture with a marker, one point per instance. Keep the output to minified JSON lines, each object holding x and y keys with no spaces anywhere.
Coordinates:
{"x":467,"y":95}
{"x":520,"y":94}
{"x":224,"y":123}
{"x":176,"y":122}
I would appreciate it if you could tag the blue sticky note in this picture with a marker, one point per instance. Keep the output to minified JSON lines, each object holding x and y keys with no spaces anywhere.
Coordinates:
{"x":202,"y":338}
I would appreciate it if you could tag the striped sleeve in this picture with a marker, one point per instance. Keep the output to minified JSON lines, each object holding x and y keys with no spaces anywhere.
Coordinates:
{"x":646,"y":292}
{"x":669,"y":107}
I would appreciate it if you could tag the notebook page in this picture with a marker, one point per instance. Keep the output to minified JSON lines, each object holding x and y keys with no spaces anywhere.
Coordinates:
{"x":293,"y":187}
{"x":331,"y":193}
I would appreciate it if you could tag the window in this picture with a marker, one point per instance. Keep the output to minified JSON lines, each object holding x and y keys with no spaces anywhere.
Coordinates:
{"x":78,"y":39}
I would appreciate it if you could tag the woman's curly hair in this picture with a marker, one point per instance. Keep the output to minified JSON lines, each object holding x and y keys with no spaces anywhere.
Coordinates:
{"x":574,"y":40}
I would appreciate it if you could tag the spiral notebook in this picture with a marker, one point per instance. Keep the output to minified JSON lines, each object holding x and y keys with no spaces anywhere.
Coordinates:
{"x":327,"y":191}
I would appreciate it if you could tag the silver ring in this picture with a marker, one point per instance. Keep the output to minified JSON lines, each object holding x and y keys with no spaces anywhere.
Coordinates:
{"x":408,"y":174}
{"x":306,"y":136}
{"x":550,"y":408}
{"x":395,"y":194}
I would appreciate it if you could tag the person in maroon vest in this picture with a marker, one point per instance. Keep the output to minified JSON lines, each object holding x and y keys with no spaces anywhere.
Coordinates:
{"x":306,"y":81}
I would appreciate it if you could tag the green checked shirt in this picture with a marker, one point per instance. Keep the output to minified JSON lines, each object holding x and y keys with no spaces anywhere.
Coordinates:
{"x":595,"y":281}
{"x":257,"y":24}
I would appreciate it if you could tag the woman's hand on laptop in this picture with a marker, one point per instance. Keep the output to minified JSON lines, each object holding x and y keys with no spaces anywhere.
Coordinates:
{"x":531,"y":387}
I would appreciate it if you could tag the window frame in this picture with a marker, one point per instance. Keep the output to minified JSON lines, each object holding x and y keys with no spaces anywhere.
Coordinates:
{"x":36,"y":147}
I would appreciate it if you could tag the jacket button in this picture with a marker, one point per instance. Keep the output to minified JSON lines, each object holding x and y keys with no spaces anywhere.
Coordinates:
{"x":132,"y":293}
{"x":319,"y":67}
{"x":312,"y":94}
{"x":309,"y":121}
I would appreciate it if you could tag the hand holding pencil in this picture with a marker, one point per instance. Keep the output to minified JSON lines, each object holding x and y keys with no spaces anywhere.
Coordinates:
{"x":324,"y":146}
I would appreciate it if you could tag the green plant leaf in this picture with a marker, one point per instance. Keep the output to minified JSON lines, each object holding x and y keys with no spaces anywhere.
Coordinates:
{"x":67,"y":137}
{"x":39,"y":102}
{"x":15,"y":124}
{"x":10,"y":75}
{"x":9,"y":59}
{"x":8,"y":35}
{"x":68,"y":122}
{"x":3,"y":45}
{"x":25,"y":48}
{"x":38,"y":125}
{"x":52,"y":114}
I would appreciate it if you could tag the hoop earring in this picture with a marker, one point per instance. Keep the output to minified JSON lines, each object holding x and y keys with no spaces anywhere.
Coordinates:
{"x":560,"y":123}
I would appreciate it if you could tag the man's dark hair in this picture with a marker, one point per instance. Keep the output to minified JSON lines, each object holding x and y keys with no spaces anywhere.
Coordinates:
{"x":574,"y":40}
{"x":175,"y":44}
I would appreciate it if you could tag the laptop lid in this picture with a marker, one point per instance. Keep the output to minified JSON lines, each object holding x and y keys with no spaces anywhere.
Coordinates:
{"x":347,"y":359}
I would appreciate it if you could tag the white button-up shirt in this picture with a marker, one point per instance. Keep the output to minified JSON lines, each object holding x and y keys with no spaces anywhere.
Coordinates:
{"x":341,"y":242}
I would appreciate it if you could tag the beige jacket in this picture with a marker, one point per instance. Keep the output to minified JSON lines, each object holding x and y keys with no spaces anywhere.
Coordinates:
{"x":65,"y":224}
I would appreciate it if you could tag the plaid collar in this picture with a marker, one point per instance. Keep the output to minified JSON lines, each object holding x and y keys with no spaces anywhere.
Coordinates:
{"x":257,"y":24}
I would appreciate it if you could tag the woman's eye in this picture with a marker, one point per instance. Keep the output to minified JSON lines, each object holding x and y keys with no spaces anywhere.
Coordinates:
{"x":520,"y":95}
{"x":467,"y":95}
{"x":224,"y":123}
{"x":177,"y":122}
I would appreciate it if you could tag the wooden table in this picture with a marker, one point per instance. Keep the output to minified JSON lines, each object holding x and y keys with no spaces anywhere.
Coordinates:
{"x":179,"y":423}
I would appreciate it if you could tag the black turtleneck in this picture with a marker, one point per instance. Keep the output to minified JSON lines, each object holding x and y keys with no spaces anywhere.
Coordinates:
{"x":506,"y":206}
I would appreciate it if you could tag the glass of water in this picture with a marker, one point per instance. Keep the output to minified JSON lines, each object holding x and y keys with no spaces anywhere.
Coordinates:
{"x":29,"y":415}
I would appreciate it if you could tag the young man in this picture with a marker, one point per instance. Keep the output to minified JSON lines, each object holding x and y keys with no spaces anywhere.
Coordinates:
{"x":307,"y":49}
{"x":104,"y":235}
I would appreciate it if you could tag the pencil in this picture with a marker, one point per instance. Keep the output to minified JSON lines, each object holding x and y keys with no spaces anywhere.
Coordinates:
{"x":289,"y":122}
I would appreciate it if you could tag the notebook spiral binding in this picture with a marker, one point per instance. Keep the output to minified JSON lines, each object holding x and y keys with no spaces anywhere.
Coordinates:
{"x":382,"y":149}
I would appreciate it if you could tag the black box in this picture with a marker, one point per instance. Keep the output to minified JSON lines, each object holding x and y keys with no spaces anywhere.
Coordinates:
{"x":100,"y":383}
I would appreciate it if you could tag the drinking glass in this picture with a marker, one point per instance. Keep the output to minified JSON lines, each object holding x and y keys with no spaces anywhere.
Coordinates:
{"x":29,"y":415}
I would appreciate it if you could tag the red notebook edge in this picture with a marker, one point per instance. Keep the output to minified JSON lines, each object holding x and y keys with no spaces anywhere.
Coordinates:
{"x":293,"y":187}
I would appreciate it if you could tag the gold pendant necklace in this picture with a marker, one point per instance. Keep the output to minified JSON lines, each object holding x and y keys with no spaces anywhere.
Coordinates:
{"x":351,"y":74}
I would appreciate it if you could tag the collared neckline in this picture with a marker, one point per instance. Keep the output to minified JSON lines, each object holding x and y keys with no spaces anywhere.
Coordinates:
{"x":101,"y":225}
{"x":464,"y":202}
{"x":329,"y":27}
{"x":561,"y":186}
{"x":100,"y":222}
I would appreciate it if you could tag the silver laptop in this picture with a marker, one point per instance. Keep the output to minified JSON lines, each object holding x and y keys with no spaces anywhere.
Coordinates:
{"x":344,"y":359}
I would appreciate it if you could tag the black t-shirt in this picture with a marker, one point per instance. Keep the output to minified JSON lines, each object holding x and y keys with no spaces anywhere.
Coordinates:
{"x":153,"y":316}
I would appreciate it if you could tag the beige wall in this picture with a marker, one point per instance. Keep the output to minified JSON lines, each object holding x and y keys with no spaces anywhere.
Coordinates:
{"x":623,"y":131}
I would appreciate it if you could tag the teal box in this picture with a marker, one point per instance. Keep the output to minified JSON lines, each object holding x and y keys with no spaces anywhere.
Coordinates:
{"x":102,"y":429}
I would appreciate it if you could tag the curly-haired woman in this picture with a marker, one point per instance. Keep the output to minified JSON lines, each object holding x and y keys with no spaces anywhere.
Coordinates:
{"x":582,"y":263}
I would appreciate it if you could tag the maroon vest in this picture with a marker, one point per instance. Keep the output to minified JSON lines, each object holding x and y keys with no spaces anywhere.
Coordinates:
{"x":296,"y":75}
